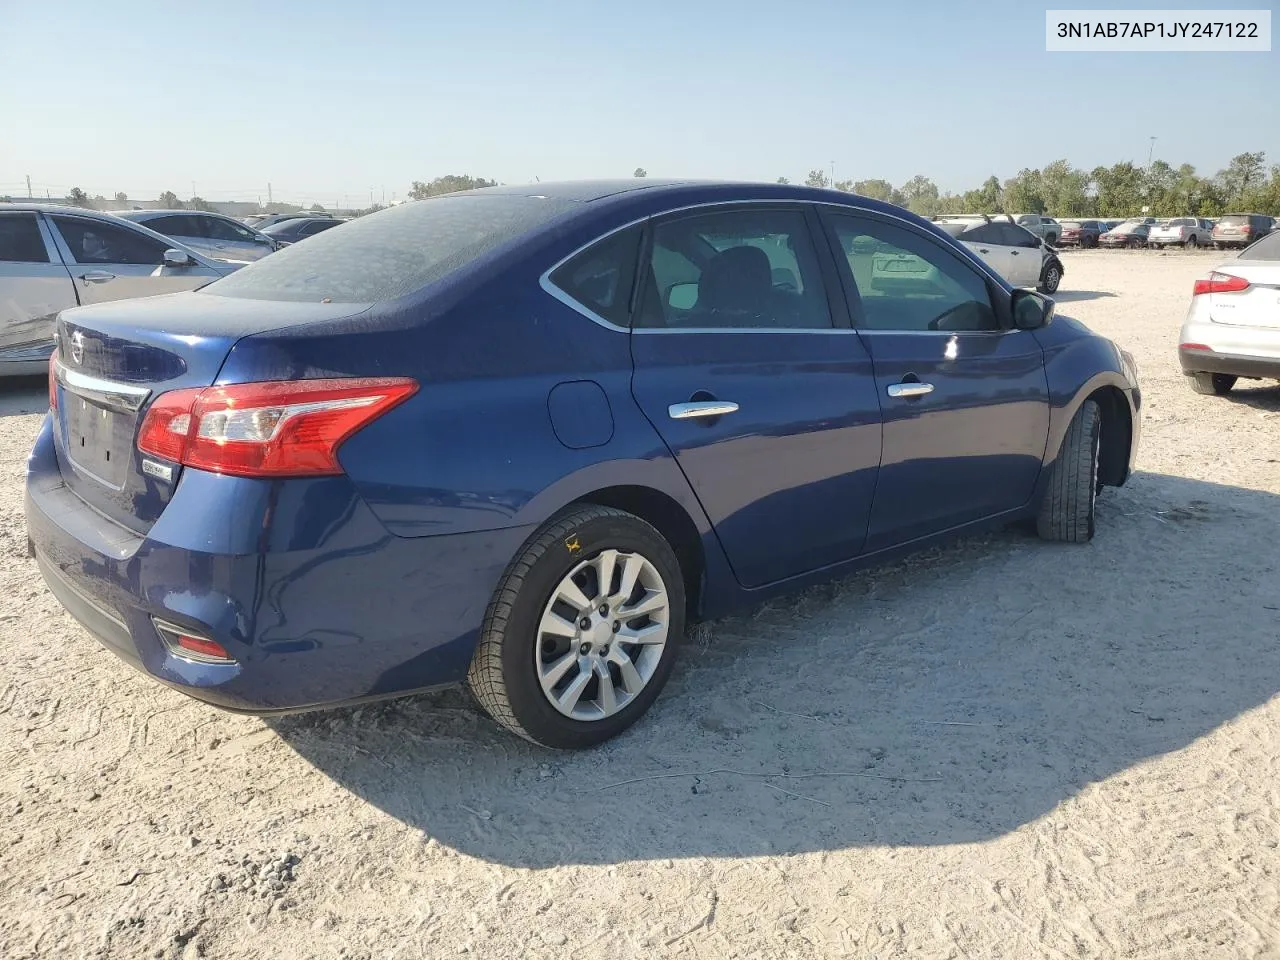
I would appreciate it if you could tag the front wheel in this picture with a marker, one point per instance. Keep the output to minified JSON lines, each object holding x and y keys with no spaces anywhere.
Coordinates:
{"x":582,"y":631}
{"x":1067,"y":510}
{"x":1052,"y":277}
{"x":1212,"y":384}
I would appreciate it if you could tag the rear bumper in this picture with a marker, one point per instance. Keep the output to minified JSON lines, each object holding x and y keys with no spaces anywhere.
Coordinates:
{"x":322,"y":607}
{"x":1205,"y":361}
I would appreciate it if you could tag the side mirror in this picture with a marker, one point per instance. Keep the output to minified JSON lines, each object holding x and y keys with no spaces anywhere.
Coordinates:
{"x":177,"y":258}
{"x":1031,"y":311}
{"x":261,"y":239}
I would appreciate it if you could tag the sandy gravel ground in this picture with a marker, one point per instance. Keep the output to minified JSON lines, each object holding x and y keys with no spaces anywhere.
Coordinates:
{"x":1087,"y":739}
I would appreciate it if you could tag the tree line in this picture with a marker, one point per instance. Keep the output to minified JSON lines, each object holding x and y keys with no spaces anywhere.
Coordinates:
{"x":1061,"y":190}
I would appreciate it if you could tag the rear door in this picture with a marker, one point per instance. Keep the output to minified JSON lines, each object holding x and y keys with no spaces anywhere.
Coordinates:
{"x":1025,"y":256}
{"x":231,"y":241}
{"x":965,"y":398}
{"x":109,"y":261}
{"x":986,"y":240}
{"x":34,"y":286}
{"x":765,"y":398}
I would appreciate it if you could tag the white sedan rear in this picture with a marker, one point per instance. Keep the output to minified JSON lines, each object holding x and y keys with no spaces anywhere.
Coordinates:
{"x":1233,"y":327}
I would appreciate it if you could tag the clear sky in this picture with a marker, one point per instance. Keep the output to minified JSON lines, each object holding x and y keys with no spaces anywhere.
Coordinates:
{"x":327,"y":100}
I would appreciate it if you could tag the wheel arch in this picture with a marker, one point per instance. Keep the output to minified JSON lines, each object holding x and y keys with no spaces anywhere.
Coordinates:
{"x":1119,"y":425}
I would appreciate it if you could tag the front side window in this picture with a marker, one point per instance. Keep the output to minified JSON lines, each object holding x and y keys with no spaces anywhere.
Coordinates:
{"x":905,"y":282}
{"x":1011,"y":235}
{"x":92,"y":241}
{"x":215,"y":228}
{"x":600,"y":277}
{"x":20,"y":240}
{"x":178,"y":225}
{"x":738,"y":269}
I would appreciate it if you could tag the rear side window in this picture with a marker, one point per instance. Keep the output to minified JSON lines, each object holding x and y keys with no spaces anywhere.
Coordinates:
{"x":391,"y":253}
{"x":1233,"y":219}
{"x":600,"y":278}
{"x":983,"y":233}
{"x":92,"y":241}
{"x":20,"y":240}
{"x":215,"y":228}
{"x":178,"y":225}
{"x":1268,"y":248}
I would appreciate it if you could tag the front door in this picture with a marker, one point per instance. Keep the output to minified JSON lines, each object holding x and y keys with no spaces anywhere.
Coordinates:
{"x":112,"y":262}
{"x":965,"y":399}
{"x":767,"y":404}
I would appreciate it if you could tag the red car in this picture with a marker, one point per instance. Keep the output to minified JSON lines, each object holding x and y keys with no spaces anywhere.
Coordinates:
{"x":1127,"y":234}
{"x":1081,"y":233}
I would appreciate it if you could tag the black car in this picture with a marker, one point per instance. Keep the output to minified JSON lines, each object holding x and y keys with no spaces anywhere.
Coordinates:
{"x":299,"y":228}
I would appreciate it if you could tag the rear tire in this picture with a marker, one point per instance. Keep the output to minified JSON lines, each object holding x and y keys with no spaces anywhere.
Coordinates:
{"x":1191,"y":243}
{"x":1213,"y":384}
{"x":533,"y":650}
{"x":1067,"y":510}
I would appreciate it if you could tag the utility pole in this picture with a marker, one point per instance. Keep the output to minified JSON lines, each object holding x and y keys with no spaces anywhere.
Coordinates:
{"x":833,"y":174}
{"x":28,"y":186}
{"x":193,"y":188}
{"x":269,"y":200}
{"x":1150,"y":151}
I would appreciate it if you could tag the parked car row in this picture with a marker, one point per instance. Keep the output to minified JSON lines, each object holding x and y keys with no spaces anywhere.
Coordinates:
{"x":1232,"y":230}
{"x":53,"y":257}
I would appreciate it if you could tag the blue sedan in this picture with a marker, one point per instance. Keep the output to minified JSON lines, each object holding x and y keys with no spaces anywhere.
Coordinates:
{"x":518,"y":437}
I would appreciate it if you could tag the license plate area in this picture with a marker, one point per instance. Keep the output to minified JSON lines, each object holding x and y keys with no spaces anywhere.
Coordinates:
{"x":98,"y":440}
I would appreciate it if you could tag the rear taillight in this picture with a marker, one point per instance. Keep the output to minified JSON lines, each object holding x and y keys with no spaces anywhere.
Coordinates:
{"x":1220,"y":283}
{"x":1196,"y":346}
{"x":53,"y":380}
{"x":288,"y":428}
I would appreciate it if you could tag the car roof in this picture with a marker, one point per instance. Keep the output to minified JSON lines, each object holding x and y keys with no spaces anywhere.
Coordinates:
{"x":34,"y":206}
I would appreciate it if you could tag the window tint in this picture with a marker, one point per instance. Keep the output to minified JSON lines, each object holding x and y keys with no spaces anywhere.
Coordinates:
{"x":317,"y":226}
{"x":600,"y":277}
{"x":1268,"y":248}
{"x":983,"y":233}
{"x":1234,"y":218}
{"x":20,"y":240}
{"x":178,"y":225}
{"x":906,"y":282}
{"x":215,"y":228}
{"x":749,"y":269}
{"x":1015,"y":236}
{"x":1074,"y":224}
{"x":393,"y":252}
{"x":92,"y":241}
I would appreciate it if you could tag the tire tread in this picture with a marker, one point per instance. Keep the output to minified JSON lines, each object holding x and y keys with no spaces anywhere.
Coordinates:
{"x":1066,"y":512}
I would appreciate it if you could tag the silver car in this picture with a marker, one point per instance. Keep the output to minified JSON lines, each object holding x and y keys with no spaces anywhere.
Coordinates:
{"x":55,"y":257}
{"x":1233,"y":327}
{"x":1189,"y":232}
{"x":214,"y":235}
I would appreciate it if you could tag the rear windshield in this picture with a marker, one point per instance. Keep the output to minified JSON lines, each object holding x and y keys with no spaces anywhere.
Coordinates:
{"x":1070,"y":224}
{"x":1268,"y":248}
{"x":1234,"y":218}
{"x":391,"y":253}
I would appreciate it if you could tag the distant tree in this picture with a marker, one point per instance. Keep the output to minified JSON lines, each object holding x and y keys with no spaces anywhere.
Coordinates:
{"x":78,"y":198}
{"x":920,"y":195}
{"x":877,"y":190}
{"x":450,"y":184}
{"x":640,"y":172}
{"x":121,"y":197}
{"x":1160,"y":184}
{"x":1120,"y":190}
{"x":1022,"y":193}
{"x":169,"y":201}
{"x":316,"y":208}
{"x":844,"y":186}
{"x":816,"y":178}
{"x":1065,"y":190}
{"x":783,"y":180}
{"x":1244,"y":171}
{"x":200,"y":203}
{"x":986,"y":199}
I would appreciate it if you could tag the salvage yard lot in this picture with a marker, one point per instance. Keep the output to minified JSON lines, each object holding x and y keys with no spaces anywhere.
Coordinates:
{"x":1002,"y":748}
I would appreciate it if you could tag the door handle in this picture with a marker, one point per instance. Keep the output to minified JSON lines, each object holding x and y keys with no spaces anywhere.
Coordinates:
{"x":1014,"y":252}
{"x":983,"y":250}
{"x":701,"y":408}
{"x":97,"y":276}
{"x":909,"y":389}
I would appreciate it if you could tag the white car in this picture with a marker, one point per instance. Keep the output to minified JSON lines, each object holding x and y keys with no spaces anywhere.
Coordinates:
{"x":53,"y":257}
{"x":214,"y":235}
{"x":1188,"y":232}
{"x":1014,"y":252}
{"x":1233,"y":327}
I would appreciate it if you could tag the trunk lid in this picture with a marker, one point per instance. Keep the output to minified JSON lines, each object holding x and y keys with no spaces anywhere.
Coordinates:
{"x":1257,"y":306}
{"x":115,"y":358}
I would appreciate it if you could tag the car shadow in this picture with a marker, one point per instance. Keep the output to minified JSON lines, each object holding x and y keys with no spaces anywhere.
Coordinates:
{"x":1076,"y":296}
{"x":23,"y":395}
{"x":952,"y":697}
{"x":1260,"y":396}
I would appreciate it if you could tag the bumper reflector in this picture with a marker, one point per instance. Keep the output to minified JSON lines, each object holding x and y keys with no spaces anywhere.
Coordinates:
{"x":190,"y":646}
